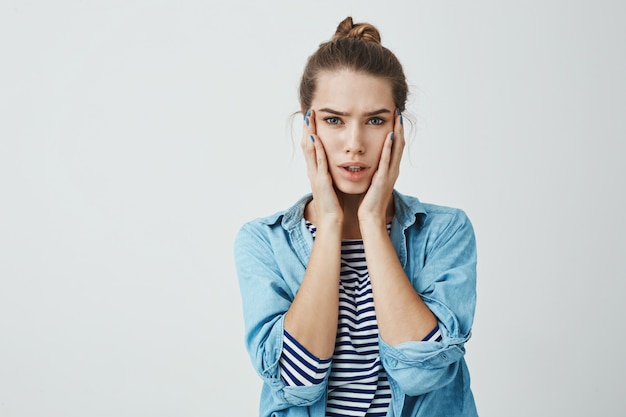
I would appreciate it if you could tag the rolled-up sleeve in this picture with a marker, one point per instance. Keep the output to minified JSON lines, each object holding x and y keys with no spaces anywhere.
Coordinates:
{"x":266,"y":297}
{"x":447,"y":284}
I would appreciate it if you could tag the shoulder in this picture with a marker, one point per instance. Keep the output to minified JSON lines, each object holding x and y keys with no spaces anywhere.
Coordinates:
{"x":411,"y":209}
{"x":449,"y":229}
{"x":434,"y":221}
{"x":284,"y":220}
{"x":445,"y":213}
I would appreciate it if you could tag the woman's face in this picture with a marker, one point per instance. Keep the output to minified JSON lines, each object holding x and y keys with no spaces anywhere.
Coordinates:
{"x":354,"y":112}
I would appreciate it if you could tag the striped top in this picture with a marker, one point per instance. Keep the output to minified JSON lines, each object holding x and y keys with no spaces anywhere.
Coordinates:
{"x":357,"y":384}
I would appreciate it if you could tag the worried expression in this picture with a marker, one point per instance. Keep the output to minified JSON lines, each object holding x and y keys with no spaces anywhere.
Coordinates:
{"x":354,"y":113}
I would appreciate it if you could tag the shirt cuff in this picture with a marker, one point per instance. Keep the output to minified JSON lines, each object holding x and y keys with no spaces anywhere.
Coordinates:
{"x":433,"y":336}
{"x":298,"y":366}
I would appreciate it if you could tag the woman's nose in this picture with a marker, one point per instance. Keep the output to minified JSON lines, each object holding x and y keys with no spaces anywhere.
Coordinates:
{"x":354,"y":142}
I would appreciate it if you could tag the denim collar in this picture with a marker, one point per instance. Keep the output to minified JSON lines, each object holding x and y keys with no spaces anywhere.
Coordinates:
{"x":406,"y":211}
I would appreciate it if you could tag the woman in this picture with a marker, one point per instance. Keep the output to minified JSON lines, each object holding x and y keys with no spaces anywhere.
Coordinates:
{"x":358,"y":300}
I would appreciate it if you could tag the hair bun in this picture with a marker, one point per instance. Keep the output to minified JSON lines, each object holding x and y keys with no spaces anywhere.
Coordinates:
{"x":365,"y":31}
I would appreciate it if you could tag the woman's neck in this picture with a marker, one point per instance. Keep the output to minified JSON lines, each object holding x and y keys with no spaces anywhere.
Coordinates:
{"x":350,"y":204}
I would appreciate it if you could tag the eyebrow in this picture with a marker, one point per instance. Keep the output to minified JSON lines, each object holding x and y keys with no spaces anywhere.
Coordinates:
{"x":339,"y":113}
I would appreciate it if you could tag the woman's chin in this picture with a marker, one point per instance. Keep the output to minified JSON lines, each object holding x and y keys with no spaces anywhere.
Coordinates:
{"x":352,"y":188}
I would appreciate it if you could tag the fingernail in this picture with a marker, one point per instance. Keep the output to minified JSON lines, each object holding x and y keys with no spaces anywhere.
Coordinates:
{"x":401,"y":121}
{"x":308,"y":112}
{"x":306,"y":119}
{"x":392,"y":135}
{"x":312,"y":138}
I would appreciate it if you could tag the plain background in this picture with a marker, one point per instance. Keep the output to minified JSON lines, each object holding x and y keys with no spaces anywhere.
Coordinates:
{"x":137,"y":136}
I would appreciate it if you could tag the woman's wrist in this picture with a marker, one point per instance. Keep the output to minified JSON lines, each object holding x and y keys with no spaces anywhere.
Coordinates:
{"x":329,"y":223}
{"x":373,"y":224}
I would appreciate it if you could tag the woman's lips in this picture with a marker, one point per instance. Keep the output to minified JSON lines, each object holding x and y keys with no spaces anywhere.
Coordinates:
{"x":353,"y":171}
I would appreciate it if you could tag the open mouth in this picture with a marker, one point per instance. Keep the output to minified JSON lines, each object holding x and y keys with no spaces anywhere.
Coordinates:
{"x":354,"y":169}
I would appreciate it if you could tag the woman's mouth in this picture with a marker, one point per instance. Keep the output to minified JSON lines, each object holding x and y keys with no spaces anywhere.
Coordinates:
{"x":354,"y":171}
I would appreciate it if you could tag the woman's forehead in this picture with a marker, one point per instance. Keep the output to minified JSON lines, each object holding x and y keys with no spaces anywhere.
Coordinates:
{"x":346,"y":89}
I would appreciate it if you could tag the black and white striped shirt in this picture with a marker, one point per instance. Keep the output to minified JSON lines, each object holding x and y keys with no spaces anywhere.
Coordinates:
{"x":357,"y":384}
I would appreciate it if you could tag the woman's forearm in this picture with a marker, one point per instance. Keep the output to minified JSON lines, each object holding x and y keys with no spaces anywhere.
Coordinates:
{"x":312,"y":317}
{"x":401,"y":314}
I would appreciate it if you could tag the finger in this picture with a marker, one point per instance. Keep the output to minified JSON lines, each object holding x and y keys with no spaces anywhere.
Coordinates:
{"x":320,"y":153}
{"x":398,"y":140}
{"x":306,"y":126}
{"x":310,"y":157}
{"x":308,"y":122}
{"x":386,"y":153}
{"x":311,"y":122}
{"x":307,"y":143}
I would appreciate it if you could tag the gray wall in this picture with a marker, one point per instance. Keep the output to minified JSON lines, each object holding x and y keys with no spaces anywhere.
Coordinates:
{"x":137,"y":136}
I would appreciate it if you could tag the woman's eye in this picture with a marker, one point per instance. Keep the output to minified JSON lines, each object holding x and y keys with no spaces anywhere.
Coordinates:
{"x":376,"y":121}
{"x":332,"y":120}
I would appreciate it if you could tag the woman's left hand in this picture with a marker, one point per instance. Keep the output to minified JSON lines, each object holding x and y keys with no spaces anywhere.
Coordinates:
{"x":376,"y":201}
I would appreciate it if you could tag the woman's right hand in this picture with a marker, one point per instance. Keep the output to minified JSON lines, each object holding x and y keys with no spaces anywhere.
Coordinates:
{"x":326,"y":207}
{"x":312,"y":316}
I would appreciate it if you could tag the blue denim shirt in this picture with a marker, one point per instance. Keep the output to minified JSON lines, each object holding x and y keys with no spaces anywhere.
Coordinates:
{"x":437,"y":249}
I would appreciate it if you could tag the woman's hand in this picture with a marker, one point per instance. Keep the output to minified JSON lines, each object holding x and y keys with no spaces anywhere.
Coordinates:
{"x":378,"y":197}
{"x":312,"y":316}
{"x":326,"y":206}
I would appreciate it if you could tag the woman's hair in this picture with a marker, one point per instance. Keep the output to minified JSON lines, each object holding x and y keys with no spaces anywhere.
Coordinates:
{"x":354,"y":47}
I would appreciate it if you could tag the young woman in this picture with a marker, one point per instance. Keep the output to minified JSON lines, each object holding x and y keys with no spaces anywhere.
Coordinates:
{"x":358,"y":300}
